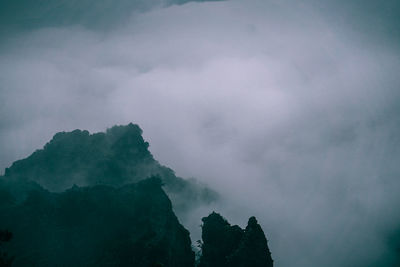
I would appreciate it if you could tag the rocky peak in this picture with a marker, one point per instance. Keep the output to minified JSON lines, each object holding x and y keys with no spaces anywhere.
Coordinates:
{"x":226,"y":245}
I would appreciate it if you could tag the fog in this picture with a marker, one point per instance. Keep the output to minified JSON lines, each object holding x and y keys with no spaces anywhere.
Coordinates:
{"x":290,"y":110}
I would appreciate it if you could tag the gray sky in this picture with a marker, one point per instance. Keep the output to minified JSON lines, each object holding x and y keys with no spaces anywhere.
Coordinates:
{"x":290,"y":109}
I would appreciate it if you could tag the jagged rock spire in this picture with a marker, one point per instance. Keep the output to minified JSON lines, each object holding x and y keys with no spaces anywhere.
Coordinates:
{"x":226,"y":245}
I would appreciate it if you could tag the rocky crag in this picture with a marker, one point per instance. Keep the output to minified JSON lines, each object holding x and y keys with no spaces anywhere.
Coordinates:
{"x":226,"y":245}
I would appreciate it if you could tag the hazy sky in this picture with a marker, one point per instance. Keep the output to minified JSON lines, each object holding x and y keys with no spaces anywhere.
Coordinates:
{"x":290,"y":109}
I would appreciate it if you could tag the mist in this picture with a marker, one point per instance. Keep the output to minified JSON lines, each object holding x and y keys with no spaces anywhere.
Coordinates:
{"x":290,"y":110}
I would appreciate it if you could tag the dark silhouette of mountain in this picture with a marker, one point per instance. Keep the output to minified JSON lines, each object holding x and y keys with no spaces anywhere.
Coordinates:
{"x":226,"y":245}
{"x":84,"y":200}
{"x":133,"y":225}
{"x":117,"y":157}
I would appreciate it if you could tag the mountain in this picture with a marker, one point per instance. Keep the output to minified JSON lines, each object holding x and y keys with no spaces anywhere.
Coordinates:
{"x":132,"y":225}
{"x":103,"y":200}
{"x":226,"y":245}
{"x":117,"y":157}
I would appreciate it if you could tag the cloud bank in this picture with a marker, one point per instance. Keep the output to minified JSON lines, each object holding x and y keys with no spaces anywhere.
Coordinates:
{"x":282,"y":107}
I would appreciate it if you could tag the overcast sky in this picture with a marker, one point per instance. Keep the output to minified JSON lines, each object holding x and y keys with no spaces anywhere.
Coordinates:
{"x":289,"y":109}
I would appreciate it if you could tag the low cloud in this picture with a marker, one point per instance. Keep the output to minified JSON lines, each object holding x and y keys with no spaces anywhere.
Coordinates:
{"x":293,"y":118}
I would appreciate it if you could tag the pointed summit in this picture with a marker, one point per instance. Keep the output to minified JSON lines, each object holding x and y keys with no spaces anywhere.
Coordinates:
{"x":226,"y":245}
{"x":253,"y":249}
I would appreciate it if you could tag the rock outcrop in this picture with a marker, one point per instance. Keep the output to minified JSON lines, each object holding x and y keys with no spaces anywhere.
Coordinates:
{"x":226,"y":245}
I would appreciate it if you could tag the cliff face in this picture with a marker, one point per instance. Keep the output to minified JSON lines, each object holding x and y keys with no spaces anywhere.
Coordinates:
{"x":133,"y":225}
{"x":226,"y":245}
